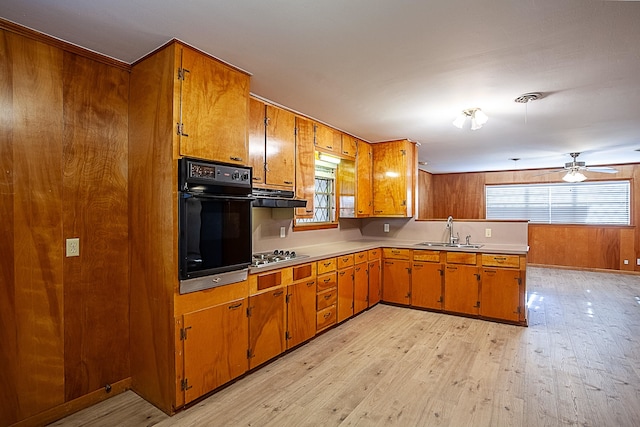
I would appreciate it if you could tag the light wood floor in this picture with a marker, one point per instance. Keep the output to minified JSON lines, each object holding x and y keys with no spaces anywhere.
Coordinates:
{"x":578,"y":363}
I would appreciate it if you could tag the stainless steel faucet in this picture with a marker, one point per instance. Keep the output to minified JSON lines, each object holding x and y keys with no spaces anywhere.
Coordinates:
{"x":452,"y":239}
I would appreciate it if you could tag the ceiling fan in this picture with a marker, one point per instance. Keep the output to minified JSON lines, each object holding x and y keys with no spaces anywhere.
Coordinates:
{"x":575,"y":168}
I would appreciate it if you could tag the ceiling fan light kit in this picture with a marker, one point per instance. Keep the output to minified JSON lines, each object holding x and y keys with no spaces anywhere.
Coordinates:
{"x":574,"y":176}
{"x":478,"y":118}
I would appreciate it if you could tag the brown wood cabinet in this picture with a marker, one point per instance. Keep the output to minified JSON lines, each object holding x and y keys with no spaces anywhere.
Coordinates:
{"x":214,"y":342}
{"x":305,"y":166}
{"x":266,"y":326}
{"x":364,"y":180}
{"x":426,"y":284}
{"x":327,"y":294}
{"x":375,"y":276}
{"x":301,"y":305}
{"x":272,"y":146}
{"x":360,"y":282}
{"x":349,"y":146}
{"x":327,"y":139}
{"x":394,"y":177}
{"x":396,"y":276}
{"x":345,"y":292}
{"x":500,"y":294}
{"x":212,"y":107}
{"x":461,"y":287}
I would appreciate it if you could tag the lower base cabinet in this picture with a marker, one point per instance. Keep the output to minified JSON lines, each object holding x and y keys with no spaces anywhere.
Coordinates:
{"x":375,"y":288}
{"x":461,"y":284}
{"x":266,"y":326}
{"x":500,"y":294}
{"x":345,"y":294}
{"x":396,"y":287}
{"x":426,"y":285}
{"x":301,"y":312}
{"x":360,"y":287}
{"x":214,"y":345}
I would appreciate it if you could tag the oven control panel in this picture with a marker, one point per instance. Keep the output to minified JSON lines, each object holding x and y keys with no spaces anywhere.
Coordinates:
{"x":198,"y":172}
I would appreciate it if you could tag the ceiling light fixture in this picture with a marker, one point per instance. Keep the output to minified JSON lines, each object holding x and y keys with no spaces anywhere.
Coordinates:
{"x":574,"y":176}
{"x":330,"y":159}
{"x":478,"y":118}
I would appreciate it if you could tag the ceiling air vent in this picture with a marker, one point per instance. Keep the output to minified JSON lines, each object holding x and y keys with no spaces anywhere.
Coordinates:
{"x":527,"y":97}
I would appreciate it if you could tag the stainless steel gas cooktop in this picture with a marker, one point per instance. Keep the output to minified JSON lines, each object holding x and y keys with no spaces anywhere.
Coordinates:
{"x":262,"y":259}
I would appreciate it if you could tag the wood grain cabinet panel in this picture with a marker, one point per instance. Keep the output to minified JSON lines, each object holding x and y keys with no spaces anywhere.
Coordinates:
{"x":426,"y":285}
{"x":326,"y":318}
{"x":345,"y":293}
{"x":257,"y":141}
{"x":349,"y":146}
{"x":396,"y":281}
{"x":305,"y":166}
{"x":360,"y":287}
{"x":280,"y":148}
{"x":327,"y":265}
{"x":301,"y":312}
{"x":327,"y":139}
{"x":394,"y":177}
{"x":214,"y":107}
{"x":364,"y":180}
{"x":214,"y":343}
{"x":266,"y":326}
{"x":375,"y":281}
{"x":461,"y":289}
{"x":500,"y":291}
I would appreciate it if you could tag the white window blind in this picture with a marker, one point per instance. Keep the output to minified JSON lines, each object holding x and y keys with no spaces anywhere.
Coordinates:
{"x":603,"y":202}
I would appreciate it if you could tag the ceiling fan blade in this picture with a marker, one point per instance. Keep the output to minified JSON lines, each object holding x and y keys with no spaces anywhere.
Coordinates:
{"x":551,"y":171}
{"x":602,"y":170}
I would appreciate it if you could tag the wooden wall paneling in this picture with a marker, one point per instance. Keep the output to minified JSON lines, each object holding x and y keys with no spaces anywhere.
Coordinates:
{"x":603,"y":248}
{"x":95,"y":209}
{"x":152,"y":220}
{"x":425,"y":195}
{"x":9,"y":373}
{"x":627,"y":249}
{"x":459,"y":195}
{"x":32,"y":340}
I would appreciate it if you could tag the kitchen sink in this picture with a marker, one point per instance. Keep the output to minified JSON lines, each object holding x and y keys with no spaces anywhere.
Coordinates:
{"x":450,"y":245}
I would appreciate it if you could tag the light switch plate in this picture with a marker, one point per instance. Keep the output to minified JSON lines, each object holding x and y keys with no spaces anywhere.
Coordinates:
{"x":386,"y":228}
{"x":283,"y":232}
{"x":487,"y":232}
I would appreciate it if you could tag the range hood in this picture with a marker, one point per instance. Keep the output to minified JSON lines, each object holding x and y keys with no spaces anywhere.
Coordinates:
{"x":271,"y":198}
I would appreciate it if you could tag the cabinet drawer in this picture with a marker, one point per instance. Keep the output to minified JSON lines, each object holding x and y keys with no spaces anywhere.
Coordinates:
{"x":361,"y":257}
{"x":345,"y":261}
{"x":326,"y":265}
{"x":429,"y":256}
{"x":325,"y":318}
{"x":326,"y":298}
{"x":305,"y":271}
{"x":394,"y":253}
{"x":373,"y":254}
{"x":327,"y":281}
{"x":497,"y":260}
{"x":461,"y":258}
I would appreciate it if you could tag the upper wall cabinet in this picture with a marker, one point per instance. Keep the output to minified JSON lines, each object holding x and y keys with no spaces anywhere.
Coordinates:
{"x":349,"y":146}
{"x":364,"y":163}
{"x":213,"y":108}
{"x":327,"y":139}
{"x":394,"y":178}
{"x":305,"y":166}
{"x":272,"y":146}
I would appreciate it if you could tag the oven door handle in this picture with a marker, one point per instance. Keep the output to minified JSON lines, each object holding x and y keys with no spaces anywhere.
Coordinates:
{"x":217,"y":197}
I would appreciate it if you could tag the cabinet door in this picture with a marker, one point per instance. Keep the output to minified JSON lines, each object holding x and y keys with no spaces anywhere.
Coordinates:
{"x":349,"y":146}
{"x":215,"y":110}
{"x":257,"y":140}
{"x":266,"y":326}
{"x":347,"y":189}
{"x":461,"y":289}
{"x":426,"y":285}
{"x":305,"y":166}
{"x":364,"y":195}
{"x":375,"y":291}
{"x":280,"y":151}
{"x":500,"y":294}
{"x":393,"y":178}
{"x":301,"y":312}
{"x":215,"y":347}
{"x":327,"y":139}
{"x":396,"y":281}
{"x":345,"y":294}
{"x":360,"y":287}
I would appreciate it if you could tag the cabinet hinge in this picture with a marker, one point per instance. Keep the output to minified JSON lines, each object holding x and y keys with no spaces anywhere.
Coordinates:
{"x":441,"y":272}
{"x":519,"y":281}
{"x":287,"y":336}
{"x":182,"y":72}
{"x":183,"y":333}
{"x":266,"y":121}
{"x":180,"y":129}
{"x":518,"y":310}
{"x":249,"y":353}
{"x":249,"y":310}
{"x":287,"y":298}
{"x":404,"y":202}
{"x":184,"y":384}
{"x":403,"y":152}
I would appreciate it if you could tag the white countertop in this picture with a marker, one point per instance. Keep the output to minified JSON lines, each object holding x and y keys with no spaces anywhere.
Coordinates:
{"x":328,"y":250}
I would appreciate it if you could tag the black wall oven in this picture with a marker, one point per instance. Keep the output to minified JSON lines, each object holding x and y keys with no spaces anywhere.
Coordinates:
{"x":214,"y":224}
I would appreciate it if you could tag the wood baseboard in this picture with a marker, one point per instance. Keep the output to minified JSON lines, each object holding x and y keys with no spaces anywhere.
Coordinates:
{"x":75,"y":405}
{"x":597,"y":270}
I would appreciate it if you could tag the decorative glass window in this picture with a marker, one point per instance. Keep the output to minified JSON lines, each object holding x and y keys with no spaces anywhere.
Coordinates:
{"x":324,"y":202}
{"x":600,"y":202}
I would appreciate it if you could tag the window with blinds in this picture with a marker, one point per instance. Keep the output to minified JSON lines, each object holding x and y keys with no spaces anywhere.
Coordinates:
{"x":602,"y":202}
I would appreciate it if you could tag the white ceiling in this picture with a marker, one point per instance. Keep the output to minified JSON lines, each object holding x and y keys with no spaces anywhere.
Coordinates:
{"x":382,"y":69}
